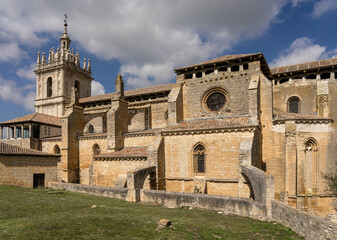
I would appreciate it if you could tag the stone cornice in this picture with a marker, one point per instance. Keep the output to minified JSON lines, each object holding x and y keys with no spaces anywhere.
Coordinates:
{"x":50,"y":67}
{"x":205,"y":179}
{"x":129,"y":135}
{"x":128,"y":158}
{"x":208,"y":131}
{"x":95,"y":111}
{"x":52,"y":140}
{"x":146,"y":102}
{"x":92,"y":137}
{"x":305,"y":121}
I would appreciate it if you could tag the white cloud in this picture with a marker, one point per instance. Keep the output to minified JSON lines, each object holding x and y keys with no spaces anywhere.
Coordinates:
{"x":295,"y":3}
{"x":27,"y":72}
{"x":301,"y":50}
{"x":9,"y":91}
{"x":147,"y":74}
{"x":97,"y":88}
{"x":145,"y":36}
{"x":11,"y":52}
{"x":324,"y":6}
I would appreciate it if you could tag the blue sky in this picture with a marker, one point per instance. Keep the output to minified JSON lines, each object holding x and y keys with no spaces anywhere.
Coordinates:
{"x":145,"y":40}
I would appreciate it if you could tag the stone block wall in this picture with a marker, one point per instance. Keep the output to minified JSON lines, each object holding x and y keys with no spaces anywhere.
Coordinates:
{"x":119,"y":193}
{"x":138,"y":141}
{"x":304,"y":224}
{"x":159,"y":115}
{"x":221,"y":161}
{"x":228,"y":205}
{"x":72,"y":128}
{"x":234,"y":83}
{"x":49,"y":131}
{"x":32,"y":143}
{"x":97,"y":121}
{"x":106,"y":172}
{"x":139,"y":119}
{"x":289,"y":155}
{"x":309,"y":226}
{"x":266,"y":118}
{"x":86,"y":155}
{"x":18,"y":170}
{"x":305,"y":91}
{"x":49,"y":146}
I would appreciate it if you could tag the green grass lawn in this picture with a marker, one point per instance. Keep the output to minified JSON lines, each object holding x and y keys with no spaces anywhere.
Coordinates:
{"x":51,"y":214}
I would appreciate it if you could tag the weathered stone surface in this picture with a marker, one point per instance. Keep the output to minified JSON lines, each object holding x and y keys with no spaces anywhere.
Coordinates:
{"x":309,"y":226}
{"x":120,"y":193}
{"x":19,"y":170}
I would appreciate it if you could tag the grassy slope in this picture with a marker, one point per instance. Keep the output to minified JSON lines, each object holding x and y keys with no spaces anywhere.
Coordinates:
{"x":46,"y":214}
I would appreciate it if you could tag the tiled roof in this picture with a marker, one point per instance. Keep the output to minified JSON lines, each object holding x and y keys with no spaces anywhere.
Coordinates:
{"x":130,"y":93}
{"x":210,"y":124}
{"x":130,"y":152}
{"x":295,"y":116}
{"x":304,"y":66}
{"x":7,"y":149}
{"x":36,"y":117}
{"x":218,"y":60}
{"x":210,"y":63}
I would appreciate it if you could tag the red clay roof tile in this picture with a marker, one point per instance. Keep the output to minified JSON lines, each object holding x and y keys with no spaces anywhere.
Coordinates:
{"x":7,"y":149}
{"x":130,"y":93}
{"x":217,"y":60}
{"x":210,"y":124}
{"x":304,"y":66}
{"x":36,"y":117}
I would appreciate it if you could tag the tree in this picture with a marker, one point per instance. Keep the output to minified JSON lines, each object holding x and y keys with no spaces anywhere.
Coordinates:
{"x":331,"y":180}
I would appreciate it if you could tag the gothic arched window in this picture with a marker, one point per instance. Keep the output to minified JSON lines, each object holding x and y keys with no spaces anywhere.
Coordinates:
{"x":96,"y":150}
{"x":57,"y":149}
{"x":294,"y":105}
{"x":311,"y":171}
{"x":49,"y":87}
{"x":199,"y":159}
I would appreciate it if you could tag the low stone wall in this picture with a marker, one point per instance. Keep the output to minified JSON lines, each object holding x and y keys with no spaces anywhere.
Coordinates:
{"x":120,"y":193}
{"x":304,"y":224}
{"x":228,"y":205}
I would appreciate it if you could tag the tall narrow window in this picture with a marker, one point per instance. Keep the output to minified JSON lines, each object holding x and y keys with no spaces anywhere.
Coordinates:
{"x":57,"y":149}
{"x":26,"y":132}
{"x":96,"y":150}
{"x":311,"y":171}
{"x":49,"y":87}
{"x":77,"y":86}
{"x":199,"y":153}
{"x":294,"y":105}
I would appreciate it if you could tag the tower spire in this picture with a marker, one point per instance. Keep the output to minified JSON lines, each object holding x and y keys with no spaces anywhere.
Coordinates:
{"x":65,"y":38}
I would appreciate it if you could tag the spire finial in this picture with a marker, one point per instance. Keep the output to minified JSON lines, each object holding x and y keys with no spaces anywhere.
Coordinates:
{"x":65,"y":19}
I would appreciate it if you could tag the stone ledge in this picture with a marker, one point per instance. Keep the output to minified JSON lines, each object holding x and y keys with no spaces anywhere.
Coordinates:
{"x":120,"y":193}
{"x":228,"y":205}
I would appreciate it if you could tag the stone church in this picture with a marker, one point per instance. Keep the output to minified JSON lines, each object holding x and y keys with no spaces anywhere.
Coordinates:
{"x":194,"y":135}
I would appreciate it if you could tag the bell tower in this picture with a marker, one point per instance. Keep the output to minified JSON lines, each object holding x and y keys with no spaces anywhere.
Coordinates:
{"x":58,"y":74}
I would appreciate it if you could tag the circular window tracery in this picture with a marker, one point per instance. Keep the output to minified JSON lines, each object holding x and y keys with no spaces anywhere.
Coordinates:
{"x":215,"y":99}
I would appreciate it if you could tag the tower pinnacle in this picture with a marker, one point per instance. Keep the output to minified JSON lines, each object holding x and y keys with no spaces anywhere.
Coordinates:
{"x":65,"y":38}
